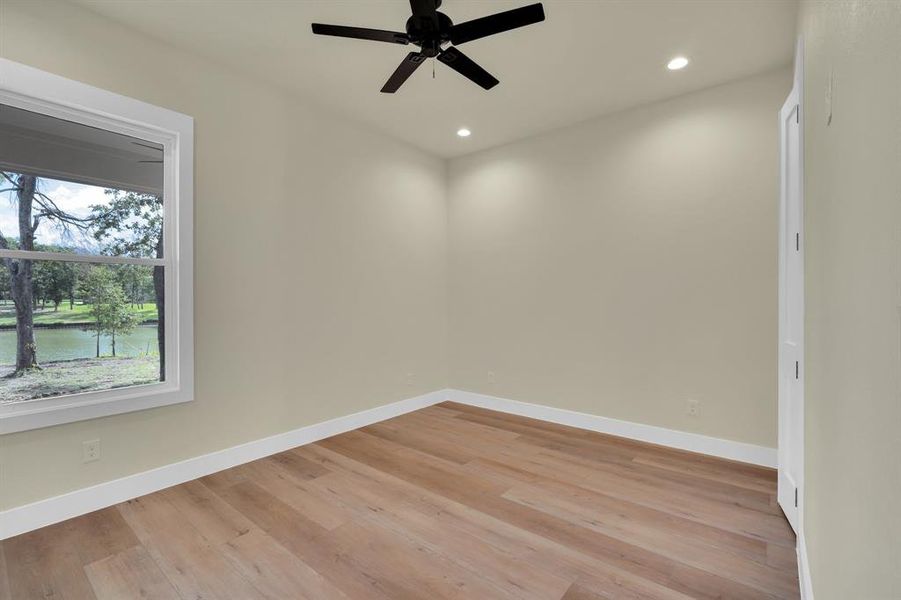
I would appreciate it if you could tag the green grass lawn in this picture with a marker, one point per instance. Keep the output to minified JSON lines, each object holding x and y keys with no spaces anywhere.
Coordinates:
{"x":65,"y":315}
{"x":73,"y":376}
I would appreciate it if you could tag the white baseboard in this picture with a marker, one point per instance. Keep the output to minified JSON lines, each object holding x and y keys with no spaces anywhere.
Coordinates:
{"x":693,"y":442}
{"x":59,"y":508}
{"x":804,"y":579}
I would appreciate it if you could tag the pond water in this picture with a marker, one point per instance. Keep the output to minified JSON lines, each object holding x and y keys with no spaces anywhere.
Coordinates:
{"x":66,"y":344}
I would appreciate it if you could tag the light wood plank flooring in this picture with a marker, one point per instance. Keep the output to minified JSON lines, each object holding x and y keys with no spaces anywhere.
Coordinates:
{"x":447,"y":502}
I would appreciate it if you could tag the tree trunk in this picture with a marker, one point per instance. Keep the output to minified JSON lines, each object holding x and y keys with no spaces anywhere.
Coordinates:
{"x":20,"y":275}
{"x":160,"y":292}
{"x":114,"y":344}
{"x":98,"y":338}
{"x":26,"y":349}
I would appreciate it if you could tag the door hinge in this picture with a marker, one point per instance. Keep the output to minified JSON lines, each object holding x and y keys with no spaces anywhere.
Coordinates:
{"x":797,"y":367}
{"x":798,"y":242}
{"x":796,"y":497}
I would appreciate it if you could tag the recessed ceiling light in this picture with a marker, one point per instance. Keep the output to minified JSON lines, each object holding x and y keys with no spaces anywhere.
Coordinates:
{"x":463,"y":132}
{"x":680,"y":62}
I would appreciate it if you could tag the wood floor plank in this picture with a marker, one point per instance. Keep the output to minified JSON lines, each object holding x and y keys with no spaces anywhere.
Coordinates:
{"x":689,"y":550}
{"x":641,"y":515}
{"x":638,"y":521}
{"x":297,"y":465}
{"x":531,"y":548}
{"x":713,"y":488}
{"x":782,"y":557}
{"x":669,"y":467}
{"x":577,"y":592}
{"x":433,"y":431}
{"x":551,"y":431}
{"x":450,"y":501}
{"x":555,"y":431}
{"x":428,"y":472}
{"x":5,"y":592}
{"x":423,"y":441}
{"x":130,"y":574}
{"x":275,"y":571}
{"x":50,"y":562}
{"x":738,"y":477}
{"x":436,"y":420}
{"x":194,"y":566}
{"x":214,"y":518}
{"x":308,"y":541}
{"x":622,"y":482}
{"x":286,"y":486}
{"x":393,"y":509}
{"x":40,"y":567}
{"x":443,"y":409}
{"x":416,"y":568}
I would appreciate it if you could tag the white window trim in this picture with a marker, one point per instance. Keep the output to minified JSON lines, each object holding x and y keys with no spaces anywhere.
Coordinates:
{"x":31,"y":89}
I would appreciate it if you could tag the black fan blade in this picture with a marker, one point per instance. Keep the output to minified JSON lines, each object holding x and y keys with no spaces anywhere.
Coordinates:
{"x":497,"y":23}
{"x":465,"y":66}
{"x":361,"y":33}
{"x":403,"y":72}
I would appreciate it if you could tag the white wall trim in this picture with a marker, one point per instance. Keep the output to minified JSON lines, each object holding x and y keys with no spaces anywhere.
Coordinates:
{"x":59,"y":508}
{"x":682,"y":440}
{"x":806,"y":583}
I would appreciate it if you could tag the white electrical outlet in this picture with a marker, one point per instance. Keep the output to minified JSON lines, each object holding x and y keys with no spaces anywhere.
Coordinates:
{"x":693,"y":408}
{"x":410,"y":378}
{"x":90,"y":451}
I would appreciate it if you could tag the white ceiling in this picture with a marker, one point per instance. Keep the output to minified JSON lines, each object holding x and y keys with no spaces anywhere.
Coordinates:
{"x":590,"y":57}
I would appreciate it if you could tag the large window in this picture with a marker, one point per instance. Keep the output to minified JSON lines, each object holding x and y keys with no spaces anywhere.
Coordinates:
{"x":95,"y":252}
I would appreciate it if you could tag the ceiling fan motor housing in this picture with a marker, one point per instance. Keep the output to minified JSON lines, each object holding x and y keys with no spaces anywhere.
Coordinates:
{"x":429,"y":33}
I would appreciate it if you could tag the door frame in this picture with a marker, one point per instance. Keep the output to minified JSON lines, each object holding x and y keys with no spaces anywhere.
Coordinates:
{"x":785,"y":372}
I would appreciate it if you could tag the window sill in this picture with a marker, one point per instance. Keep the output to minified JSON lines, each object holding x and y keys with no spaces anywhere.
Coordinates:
{"x":35,"y":414}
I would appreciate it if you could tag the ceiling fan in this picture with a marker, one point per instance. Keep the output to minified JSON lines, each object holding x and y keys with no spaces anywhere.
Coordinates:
{"x":430,"y":30}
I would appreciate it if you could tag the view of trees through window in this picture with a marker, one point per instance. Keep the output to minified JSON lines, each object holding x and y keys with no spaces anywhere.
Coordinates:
{"x":79,"y":324}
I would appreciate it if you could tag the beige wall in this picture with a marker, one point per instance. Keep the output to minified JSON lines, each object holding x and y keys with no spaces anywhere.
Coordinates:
{"x":320,"y":260}
{"x":625,"y":265}
{"x":852,"y":520}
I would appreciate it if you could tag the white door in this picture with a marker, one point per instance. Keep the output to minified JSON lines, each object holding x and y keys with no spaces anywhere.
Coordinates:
{"x":791,"y":314}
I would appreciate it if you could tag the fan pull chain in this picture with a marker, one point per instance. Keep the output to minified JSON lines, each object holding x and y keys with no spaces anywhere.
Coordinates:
{"x":433,"y":68}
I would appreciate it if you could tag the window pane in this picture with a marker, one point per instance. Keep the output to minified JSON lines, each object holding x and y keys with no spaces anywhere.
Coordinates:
{"x":78,"y":327}
{"x":90,"y":191}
